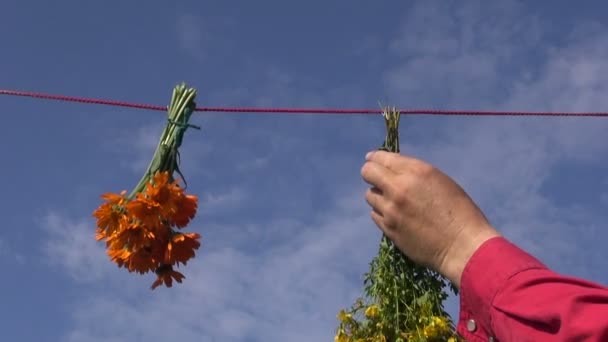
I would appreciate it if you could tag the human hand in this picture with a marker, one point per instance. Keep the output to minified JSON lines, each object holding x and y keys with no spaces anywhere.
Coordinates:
{"x":424,"y":212}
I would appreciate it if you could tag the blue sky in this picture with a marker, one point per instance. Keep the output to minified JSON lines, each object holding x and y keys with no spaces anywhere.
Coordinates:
{"x":286,"y":232}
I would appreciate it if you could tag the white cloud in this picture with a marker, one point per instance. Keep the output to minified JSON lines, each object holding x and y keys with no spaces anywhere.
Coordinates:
{"x":291,"y":290}
{"x":216,"y":203}
{"x":459,"y":54}
{"x":72,"y":246}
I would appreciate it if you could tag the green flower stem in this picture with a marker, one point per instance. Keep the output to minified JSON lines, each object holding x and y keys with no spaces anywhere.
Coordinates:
{"x":391,"y":119}
{"x":166,"y":156}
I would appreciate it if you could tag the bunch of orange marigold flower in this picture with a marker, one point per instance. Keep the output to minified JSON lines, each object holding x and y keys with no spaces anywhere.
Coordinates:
{"x":142,"y":230}
{"x":140,"y":234}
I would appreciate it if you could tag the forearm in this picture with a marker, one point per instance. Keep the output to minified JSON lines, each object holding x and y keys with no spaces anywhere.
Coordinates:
{"x":510,"y":296}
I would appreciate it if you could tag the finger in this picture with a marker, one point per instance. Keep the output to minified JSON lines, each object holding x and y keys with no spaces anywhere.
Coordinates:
{"x":377,"y":176}
{"x":378,"y":220}
{"x":375,"y":199}
{"x":390,"y":160}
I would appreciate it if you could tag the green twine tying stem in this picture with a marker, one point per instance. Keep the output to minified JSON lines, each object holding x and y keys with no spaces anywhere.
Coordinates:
{"x":182,"y":127}
{"x":166,"y":157}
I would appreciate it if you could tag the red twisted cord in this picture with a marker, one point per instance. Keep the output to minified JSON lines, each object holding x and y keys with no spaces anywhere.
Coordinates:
{"x":80,"y":99}
{"x":297,"y":110}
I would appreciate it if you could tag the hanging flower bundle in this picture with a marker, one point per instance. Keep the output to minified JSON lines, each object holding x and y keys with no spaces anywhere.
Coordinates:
{"x":403,"y":301}
{"x":143,"y":231}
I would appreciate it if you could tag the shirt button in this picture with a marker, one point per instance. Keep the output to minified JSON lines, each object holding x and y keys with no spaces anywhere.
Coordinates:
{"x":471,"y":325}
{"x":491,"y":339}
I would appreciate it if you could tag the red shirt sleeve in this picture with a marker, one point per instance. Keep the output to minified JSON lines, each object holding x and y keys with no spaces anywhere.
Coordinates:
{"x":508,"y":295}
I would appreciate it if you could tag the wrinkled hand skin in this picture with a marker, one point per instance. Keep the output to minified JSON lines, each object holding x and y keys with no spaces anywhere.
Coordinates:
{"x":428,"y":216}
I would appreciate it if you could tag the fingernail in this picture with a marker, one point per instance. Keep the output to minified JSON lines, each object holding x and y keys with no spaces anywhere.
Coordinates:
{"x":368,"y":155}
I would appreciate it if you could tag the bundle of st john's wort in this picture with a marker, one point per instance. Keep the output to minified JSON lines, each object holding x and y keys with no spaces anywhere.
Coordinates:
{"x":403,"y":301}
{"x":143,"y":230}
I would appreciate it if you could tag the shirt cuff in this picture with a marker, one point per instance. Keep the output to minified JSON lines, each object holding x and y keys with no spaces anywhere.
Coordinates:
{"x":486,"y":273}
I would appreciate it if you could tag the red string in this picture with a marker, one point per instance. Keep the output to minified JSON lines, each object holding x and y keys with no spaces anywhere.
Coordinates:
{"x":296,"y":110}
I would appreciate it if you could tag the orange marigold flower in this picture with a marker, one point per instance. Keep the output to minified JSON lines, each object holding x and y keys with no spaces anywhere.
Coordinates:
{"x":145,"y":211}
{"x":143,"y":261}
{"x":175,"y":206}
{"x":138,"y":248}
{"x":110,"y":215}
{"x":166,"y":193}
{"x":166,"y":274}
{"x":134,"y":237}
{"x":187,"y":209}
{"x":181,"y":248}
{"x":119,"y":255}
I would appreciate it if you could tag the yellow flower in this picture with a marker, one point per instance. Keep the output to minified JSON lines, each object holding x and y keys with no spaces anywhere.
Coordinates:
{"x":440,"y":322}
{"x":452,"y":339}
{"x":341,"y":337}
{"x":343,"y":316}
{"x":372,"y":311}
{"x":429,"y":331}
{"x":437,"y":327}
